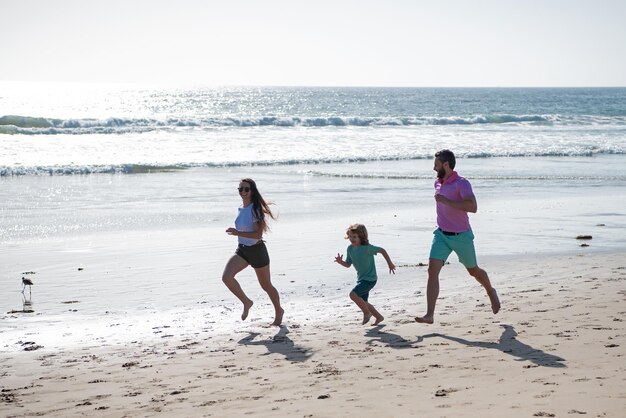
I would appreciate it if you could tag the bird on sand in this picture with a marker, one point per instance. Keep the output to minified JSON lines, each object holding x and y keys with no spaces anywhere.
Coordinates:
{"x":27,"y":282}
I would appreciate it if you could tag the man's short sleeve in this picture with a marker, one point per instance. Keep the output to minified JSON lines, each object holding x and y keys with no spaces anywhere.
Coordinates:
{"x":465,"y":188}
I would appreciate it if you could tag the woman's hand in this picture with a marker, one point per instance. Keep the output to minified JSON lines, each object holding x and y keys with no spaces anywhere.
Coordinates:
{"x":232,"y":231}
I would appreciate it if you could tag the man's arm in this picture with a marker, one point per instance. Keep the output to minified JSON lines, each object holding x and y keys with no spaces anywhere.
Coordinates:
{"x":468,"y":204}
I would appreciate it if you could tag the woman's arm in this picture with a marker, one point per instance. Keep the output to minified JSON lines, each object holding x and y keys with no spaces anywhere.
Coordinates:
{"x":256,"y":234}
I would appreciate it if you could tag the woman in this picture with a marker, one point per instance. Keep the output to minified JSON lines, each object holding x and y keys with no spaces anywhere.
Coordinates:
{"x":249,"y":227}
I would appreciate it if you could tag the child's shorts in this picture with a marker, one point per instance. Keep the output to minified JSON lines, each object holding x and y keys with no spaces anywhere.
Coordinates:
{"x":256,"y":255}
{"x":363,"y":287}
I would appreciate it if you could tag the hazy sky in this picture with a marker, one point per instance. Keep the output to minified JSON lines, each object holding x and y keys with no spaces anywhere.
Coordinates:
{"x":320,"y":42}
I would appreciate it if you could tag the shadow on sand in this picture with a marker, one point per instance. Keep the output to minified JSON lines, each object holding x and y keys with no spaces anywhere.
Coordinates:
{"x":280,"y":344}
{"x":509,"y":344}
{"x":376,"y":334}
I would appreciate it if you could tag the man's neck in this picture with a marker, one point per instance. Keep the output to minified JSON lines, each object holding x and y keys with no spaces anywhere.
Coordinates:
{"x":447,"y":176}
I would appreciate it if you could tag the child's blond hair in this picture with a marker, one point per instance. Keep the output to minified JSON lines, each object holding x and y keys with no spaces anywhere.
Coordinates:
{"x":360,"y":230}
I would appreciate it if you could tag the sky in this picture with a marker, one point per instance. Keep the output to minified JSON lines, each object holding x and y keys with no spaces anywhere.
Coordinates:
{"x":422,"y":43}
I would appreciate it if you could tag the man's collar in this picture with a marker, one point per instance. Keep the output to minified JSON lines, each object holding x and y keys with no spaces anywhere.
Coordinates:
{"x":450,"y":179}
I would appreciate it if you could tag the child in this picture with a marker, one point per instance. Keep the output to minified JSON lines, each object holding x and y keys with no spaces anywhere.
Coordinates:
{"x":361,"y":253}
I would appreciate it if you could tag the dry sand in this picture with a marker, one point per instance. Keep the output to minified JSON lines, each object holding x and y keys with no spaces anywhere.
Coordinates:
{"x":555,"y":349}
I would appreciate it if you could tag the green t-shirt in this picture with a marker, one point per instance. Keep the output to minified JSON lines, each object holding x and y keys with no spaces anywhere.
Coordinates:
{"x":362,"y":258}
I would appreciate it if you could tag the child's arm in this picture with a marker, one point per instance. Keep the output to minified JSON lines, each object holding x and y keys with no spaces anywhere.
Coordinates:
{"x":339,"y":260}
{"x":392,"y":267}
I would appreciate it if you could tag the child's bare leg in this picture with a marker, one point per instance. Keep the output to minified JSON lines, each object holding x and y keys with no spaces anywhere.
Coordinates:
{"x":377,"y":315}
{"x":367,"y":315}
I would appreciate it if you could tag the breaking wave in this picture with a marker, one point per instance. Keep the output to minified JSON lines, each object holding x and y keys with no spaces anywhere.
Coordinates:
{"x":31,"y":125}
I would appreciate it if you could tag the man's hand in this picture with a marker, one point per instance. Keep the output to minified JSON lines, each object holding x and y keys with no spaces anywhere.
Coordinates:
{"x":442,"y":199}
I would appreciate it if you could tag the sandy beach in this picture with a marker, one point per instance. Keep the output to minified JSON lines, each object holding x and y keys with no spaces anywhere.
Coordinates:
{"x":555,"y":349}
{"x":138,"y":143}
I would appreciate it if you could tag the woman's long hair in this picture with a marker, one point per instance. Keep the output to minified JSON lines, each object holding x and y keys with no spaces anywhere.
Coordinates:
{"x":260,"y":207}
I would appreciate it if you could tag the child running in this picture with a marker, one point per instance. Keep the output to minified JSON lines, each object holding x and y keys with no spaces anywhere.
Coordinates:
{"x":361,"y":253}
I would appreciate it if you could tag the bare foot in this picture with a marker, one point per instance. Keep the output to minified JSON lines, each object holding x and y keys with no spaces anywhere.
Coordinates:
{"x":366,"y":318}
{"x":495,"y":301}
{"x":279,"y":317}
{"x":246,"y":309}
{"x":424,"y":319}
{"x":379,"y":320}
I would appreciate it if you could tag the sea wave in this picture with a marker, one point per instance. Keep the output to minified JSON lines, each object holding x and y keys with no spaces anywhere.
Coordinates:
{"x":35,"y":125}
{"x":144,"y":168}
{"x":399,"y":176}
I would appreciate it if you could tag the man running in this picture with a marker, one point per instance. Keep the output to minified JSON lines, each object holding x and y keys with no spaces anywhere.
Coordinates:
{"x":455,"y":199}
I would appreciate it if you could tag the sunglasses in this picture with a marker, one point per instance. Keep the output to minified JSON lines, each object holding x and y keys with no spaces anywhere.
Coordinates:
{"x":243,"y":189}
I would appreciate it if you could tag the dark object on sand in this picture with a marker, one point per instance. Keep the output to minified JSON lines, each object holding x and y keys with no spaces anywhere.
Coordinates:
{"x":25,"y":310}
{"x":27,"y":282}
{"x":584,"y":237}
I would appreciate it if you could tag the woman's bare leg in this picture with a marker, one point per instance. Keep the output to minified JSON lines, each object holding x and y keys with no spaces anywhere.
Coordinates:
{"x":234,"y":266}
{"x":263,"y":274}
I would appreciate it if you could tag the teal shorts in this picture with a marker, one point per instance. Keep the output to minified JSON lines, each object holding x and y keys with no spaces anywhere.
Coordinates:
{"x":462,"y":244}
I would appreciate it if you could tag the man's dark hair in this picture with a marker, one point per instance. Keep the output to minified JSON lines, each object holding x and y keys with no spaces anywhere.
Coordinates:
{"x":446,"y":156}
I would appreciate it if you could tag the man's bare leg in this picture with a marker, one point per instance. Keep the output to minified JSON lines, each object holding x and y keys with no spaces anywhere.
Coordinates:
{"x":432,"y":291}
{"x":481,"y":276}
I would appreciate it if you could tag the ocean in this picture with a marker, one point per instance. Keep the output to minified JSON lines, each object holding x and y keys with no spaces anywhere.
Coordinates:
{"x":505,"y":138}
{"x":117,"y":197}
{"x":78,"y":129}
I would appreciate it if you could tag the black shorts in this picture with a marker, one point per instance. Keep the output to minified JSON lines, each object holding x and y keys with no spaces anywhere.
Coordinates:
{"x":256,"y":255}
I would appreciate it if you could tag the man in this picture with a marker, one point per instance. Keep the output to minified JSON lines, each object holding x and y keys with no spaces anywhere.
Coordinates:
{"x":455,"y":199}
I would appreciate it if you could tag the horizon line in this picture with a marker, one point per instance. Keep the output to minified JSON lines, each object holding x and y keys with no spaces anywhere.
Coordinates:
{"x":226,"y":85}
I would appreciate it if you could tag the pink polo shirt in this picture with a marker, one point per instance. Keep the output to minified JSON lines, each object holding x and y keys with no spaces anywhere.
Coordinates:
{"x":454,"y":188}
